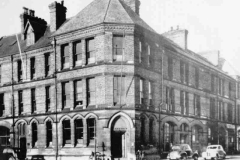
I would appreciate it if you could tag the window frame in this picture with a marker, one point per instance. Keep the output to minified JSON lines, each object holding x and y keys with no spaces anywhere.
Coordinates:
{"x":20,"y":102}
{"x":90,"y":59}
{"x":2,"y":105}
{"x":33,"y":100}
{"x":47,"y":64}
{"x":76,"y":54}
{"x":65,"y":64}
{"x":32,"y":68}
{"x":48,"y":98}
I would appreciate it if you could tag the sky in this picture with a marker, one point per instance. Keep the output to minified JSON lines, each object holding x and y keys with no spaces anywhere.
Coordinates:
{"x":212,"y":24}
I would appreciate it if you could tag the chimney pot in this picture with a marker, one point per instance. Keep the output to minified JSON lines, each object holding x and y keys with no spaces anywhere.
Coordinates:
{"x":31,"y":12}
{"x":171,"y":28}
{"x":25,"y":10}
{"x":62,"y":2}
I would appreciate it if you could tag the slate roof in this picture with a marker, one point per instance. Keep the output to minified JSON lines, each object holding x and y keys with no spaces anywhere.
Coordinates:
{"x":103,"y":11}
{"x":9,"y":46}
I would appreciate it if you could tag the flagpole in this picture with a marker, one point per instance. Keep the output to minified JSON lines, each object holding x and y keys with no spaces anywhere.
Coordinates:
{"x":20,"y":51}
{"x":122,"y":69}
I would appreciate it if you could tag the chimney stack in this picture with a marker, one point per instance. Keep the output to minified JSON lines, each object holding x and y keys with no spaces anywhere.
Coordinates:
{"x":31,"y":12}
{"x":57,"y":15}
{"x":179,"y":36}
{"x":133,"y":4}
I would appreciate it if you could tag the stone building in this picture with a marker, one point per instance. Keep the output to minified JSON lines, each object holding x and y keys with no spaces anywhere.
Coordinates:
{"x":104,"y":81}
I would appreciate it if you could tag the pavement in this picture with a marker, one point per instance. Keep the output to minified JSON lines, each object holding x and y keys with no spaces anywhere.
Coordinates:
{"x":229,"y":157}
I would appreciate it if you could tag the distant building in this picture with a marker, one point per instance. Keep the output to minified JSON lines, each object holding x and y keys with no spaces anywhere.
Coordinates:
{"x":105,"y":81}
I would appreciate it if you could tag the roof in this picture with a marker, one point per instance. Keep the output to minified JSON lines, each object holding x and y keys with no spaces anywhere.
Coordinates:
{"x":103,"y":11}
{"x":9,"y":45}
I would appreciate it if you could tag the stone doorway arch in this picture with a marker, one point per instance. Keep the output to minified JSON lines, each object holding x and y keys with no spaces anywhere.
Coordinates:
{"x":120,"y":137}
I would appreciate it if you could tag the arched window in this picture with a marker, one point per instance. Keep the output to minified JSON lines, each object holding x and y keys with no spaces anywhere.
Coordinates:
{"x":78,"y":131}
{"x":168,"y":136}
{"x":151,"y":130}
{"x":49,"y":133}
{"x":142,"y":133}
{"x":34,"y":134}
{"x":21,"y":129}
{"x":91,"y":130}
{"x":197,"y":132}
{"x":184,"y":133}
{"x":66,"y":126}
{"x":209,"y":136}
{"x":4,"y":136}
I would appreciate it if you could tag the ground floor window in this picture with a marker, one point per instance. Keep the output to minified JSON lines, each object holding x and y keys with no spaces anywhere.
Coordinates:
{"x":66,"y":126}
{"x":49,"y":133}
{"x":34,"y":134}
{"x":78,"y":131}
{"x":4,"y":137}
{"x":91,"y":129}
{"x":168,"y":136}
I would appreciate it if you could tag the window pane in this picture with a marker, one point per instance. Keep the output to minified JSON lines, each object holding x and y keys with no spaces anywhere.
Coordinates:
{"x":66,"y":50}
{"x":118,"y":42}
{"x":78,"y":47}
{"x":90,"y":45}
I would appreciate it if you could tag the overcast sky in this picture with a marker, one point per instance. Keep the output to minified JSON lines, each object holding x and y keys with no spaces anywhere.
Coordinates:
{"x":212,"y":24}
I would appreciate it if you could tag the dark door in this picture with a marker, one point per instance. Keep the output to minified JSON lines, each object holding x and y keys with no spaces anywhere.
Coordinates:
{"x":23,"y":148}
{"x":116,"y":144}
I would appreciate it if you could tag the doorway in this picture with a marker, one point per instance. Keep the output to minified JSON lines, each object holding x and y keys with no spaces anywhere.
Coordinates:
{"x":119,"y":138}
{"x":118,"y":144}
{"x":23,"y":148}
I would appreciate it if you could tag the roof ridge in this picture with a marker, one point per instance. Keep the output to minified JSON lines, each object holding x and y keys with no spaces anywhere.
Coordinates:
{"x":106,"y":10}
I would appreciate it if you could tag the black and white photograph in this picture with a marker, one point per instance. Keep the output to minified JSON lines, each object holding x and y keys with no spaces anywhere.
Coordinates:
{"x":119,"y":80}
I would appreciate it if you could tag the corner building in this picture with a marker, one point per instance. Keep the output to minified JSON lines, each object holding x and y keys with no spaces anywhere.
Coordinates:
{"x":105,"y":81}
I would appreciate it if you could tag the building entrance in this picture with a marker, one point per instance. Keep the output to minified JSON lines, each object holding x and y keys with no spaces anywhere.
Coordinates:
{"x":118,"y":138}
{"x":23,"y":148}
{"x":118,"y":144}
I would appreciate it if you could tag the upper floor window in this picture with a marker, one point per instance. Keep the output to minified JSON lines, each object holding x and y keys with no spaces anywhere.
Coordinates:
{"x":213,"y":83}
{"x":197,"y":105}
{"x":90,"y":51}
{"x":0,"y":73}
{"x":119,"y":89}
{"x":49,"y":133}
{"x":184,"y":72}
{"x":184,"y":102}
{"x":91,"y":91}
{"x":78,"y":131}
{"x":140,"y":52}
{"x":220,"y":86}
{"x":2,"y":105}
{"x":77,"y":53}
{"x":47,"y":64}
{"x":48,"y":98}
{"x":141,"y":91}
{"x":34,"y":134}
{"x":220,"y":110}
{"x":65,"y":94}
{"x":118,"y":48}
{"x":20,"y":72}
{"x":212,"y":108}
{"x":91,"y":130}
{"x":65,"y":56}
{"x":149,"y":55}
{"x":196,"y":77}
{"x":230,"y":113}
{"x":78,"y":91}
{"x":66,"y":126}
{"x":20,"y":102}
{"x":150,"y":95}
{"x":170,"y":68}
{"x":32,"y":66}
{"x":33,"y":99}
{"x":170,"y":99}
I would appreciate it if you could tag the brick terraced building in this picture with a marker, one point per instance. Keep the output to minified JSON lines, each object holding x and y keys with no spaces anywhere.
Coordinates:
{"x":105,"y":81}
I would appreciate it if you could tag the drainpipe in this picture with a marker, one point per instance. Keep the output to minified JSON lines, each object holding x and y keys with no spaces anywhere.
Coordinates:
{"x":55,"y":82}
{"x":13,"y":110}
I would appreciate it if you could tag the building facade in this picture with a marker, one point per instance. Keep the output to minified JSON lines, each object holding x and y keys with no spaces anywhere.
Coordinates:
{"x":104,"y":81}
